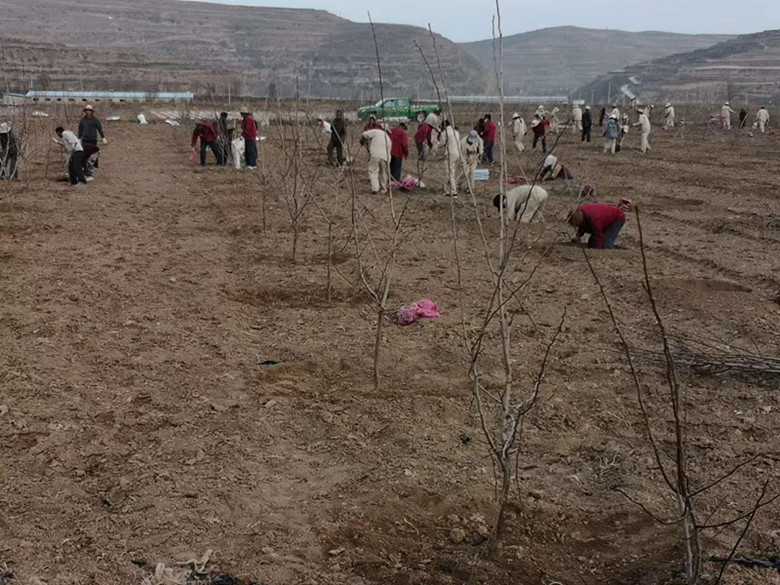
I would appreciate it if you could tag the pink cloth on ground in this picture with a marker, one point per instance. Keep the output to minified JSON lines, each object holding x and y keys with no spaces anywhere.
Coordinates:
{"x":424,"y":309}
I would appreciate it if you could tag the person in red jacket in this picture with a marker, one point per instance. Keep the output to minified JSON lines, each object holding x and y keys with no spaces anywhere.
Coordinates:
{"x":399,"y":150}
{"x":539,"y":126}
{"x":491,"y":131}
{"x":208,"y":139}
{"x":249,"y":132}
{"x":424,"y":136}
{"x":603,"y":222}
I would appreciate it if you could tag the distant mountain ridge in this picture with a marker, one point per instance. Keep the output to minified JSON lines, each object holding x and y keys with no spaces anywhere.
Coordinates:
{"x":744,"y":69}
{"x":216,"y":48}
{"x":557,"y":61}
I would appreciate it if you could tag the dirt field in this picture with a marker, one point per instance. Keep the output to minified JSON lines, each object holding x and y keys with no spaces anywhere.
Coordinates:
{"x":142,"y":422}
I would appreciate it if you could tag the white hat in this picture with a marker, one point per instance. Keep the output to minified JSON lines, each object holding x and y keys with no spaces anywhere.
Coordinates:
{"x":5,"y":128}
{"x":88,"y":107}
{"x":727,"y":104}
{"x":587,"y":107}
{"x":472,"y":137}
{"x":515,"y":116}
{"x":612,"y":117}
{"x":668,"y":104}
{"x":640,"y":111}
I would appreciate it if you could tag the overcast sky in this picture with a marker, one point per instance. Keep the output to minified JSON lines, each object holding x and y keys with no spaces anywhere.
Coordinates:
{"x":469,"y":20}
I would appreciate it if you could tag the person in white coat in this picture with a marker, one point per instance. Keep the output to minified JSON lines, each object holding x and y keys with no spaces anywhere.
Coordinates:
{"x":471,"y":150}
{"x":555,"y":122}
{"x":726,"y":112}
{"x":644,"y":124}
{"x":762,"y":119}
{"x":615,"y":112}
{"x":576,"y":114}
{"x":519,"y":130}
{"x":379,"y":146}
{"x":449,"y":142}
{"x":668,"y":123}
{"x":75,"y":152}
{"x":523,"y":202}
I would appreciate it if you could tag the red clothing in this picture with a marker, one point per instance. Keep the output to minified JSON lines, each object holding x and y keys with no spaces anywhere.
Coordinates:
{"x":491,"y":130}
{"x":598,"y":217}
{"x":540,"y":129}
{"x":399,"y":143}
{"x":205,"y":132}
{"x":249,"y":128}
{"x":425,"y":134}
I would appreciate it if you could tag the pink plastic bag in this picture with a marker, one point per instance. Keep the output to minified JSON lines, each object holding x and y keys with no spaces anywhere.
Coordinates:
{"x":194,"y":157}
{"x":424,"y":309}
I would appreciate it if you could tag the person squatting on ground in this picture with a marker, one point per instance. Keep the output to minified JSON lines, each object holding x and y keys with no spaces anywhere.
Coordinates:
{"x":399,"y":150}
{"x":491,"y":132}
{"x":519,"y":130}
{"x":249,"y":133}
{"x":668,"y":122}
{"x":208,"y":139}
{"x":552,"y":170}
{"x":338,"y":138}
{"x":611,"y":134}
{"x":762,"y":119}
{"x":9,"y":153}
{"x":587,"y":124}
{"x":523,"y":202}
{"x":539,"y":127}
{"x":644,"y":123}
{"x":449,"y":140}
{"x":379,"y":147}
{"x":75,"y":152}
{"x":90,"y":132}
{"x":471,"y":151}
{"x":726,"y":112}
{"x":603,"y":222}
{"x":424,"y":140}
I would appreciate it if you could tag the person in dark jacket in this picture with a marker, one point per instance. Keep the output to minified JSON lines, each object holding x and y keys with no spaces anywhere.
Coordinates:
{"x":225,"y":137}
{"x":602,"y":117}
{"x":338,"y":138}
{"x":587,"y":124}
{"x":743,"y":117}
{"x":207,"y":135}
{"x":603,"y":222}
{"x":539,"y":127}
{"x":9,"y":153}
{"x":399,"y":150}
{"x":90,"y":133}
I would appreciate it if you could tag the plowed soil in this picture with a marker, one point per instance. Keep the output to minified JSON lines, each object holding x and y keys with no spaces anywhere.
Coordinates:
{"x":172,"y":381}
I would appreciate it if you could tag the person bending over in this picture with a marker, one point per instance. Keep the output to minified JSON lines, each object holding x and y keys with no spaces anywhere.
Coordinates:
{"x":603,"y":222}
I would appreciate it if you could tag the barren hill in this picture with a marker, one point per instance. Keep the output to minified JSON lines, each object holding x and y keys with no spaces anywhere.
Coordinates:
{"x":156,"y":44}
{"x":747,"y":67}
{"x":555,"y":61}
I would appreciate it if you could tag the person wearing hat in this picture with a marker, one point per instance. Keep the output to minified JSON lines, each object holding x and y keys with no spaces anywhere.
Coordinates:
{"x":539,"y":127}
{"x":9,"y":153}
{"x":471,"y":150}
{"x":668,"y":123}
{"x":615,"y":112}
{"x":379,"y":147}
{"x":611,"y":133}
{"x":587,"y":124}
{"x":399,"y":150}
{"x":90,"y":132}
{"x":725,"y":113}
{"x":644,"y":124}
{"x":249,"y":133}
{"x":518,"y":131}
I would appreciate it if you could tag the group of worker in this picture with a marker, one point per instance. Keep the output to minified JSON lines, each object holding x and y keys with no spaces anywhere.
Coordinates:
{"x":219,"y":138}
{"x":81,"y":149}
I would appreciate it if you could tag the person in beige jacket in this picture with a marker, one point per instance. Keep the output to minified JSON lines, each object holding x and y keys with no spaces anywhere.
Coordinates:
{"x":519,"y":130}
{"x":762,"y":118}
{"x":379,"y":146}
{"x":471,"y":150}
{"x":644,"y":123}
{"x":449,"y":142}
{"x":726,"y":112}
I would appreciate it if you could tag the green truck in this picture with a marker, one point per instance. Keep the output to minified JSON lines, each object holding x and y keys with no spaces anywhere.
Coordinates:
{"x":397,"y":109}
